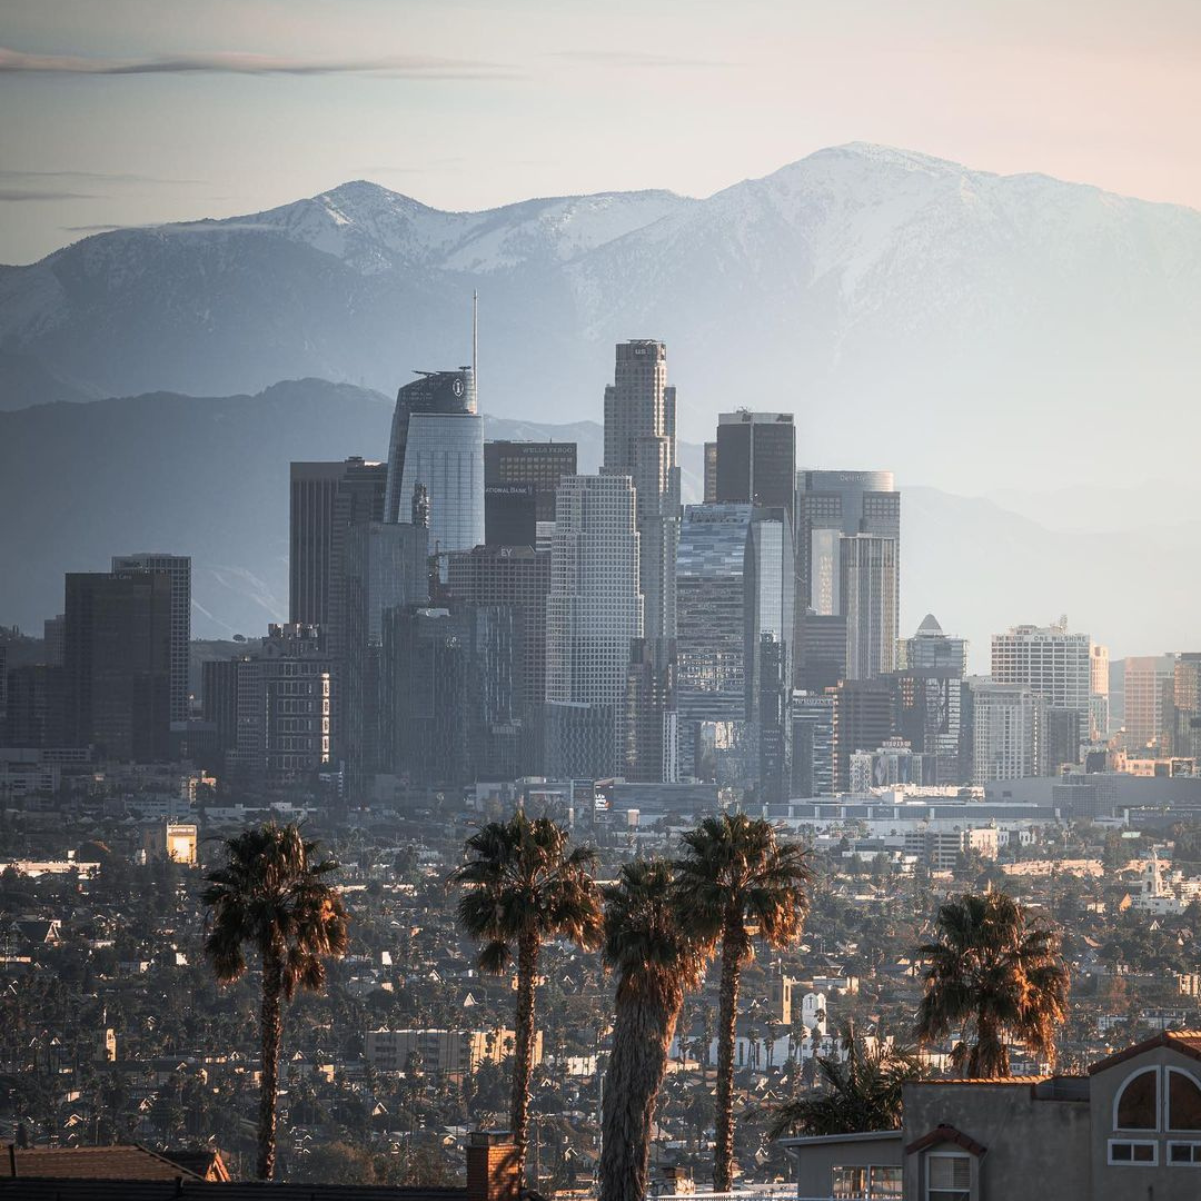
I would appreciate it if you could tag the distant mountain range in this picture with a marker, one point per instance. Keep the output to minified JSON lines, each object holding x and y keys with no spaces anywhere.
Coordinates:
{"x":966,"y":329}
{"x":209,"y":477}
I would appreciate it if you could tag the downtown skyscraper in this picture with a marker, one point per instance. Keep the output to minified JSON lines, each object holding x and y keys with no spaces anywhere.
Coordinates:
{"x":593,"y":613}
{"x":437,"y":444}
{"x":640,"y":441}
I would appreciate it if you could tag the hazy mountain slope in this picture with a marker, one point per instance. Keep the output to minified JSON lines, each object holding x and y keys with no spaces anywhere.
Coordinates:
{"x":209,"y":477}
{"x":960,"y":326}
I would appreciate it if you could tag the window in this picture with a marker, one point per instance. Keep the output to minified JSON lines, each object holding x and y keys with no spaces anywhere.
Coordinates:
{"x":1137,"y":1154}
{"x":1184,"y":1101}
{"x":1184,"y":1155}
{"x":1138,"y":1102}
{"x":948,"y":1177}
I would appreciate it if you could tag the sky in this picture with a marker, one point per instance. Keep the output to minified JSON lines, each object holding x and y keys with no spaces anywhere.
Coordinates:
{"x":119,"y":112}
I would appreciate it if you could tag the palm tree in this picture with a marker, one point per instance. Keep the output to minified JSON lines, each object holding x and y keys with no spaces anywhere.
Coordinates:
{"x":861,"y":1093}
{"x":523,"y":886}
{"x":656,"y":961}
{"x":995,"y":975}
{"x":272,"y":895}
{"x":738,"y":881}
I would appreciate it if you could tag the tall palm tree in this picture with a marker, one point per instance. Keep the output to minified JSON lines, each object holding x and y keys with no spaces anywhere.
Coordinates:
{"x":861,"y":1092}
{"x":273,"y":895}
{"x":995,"y":976}
{"x":737,"y":881}
{"x":523,"y":886}
{"x":656,"y":960}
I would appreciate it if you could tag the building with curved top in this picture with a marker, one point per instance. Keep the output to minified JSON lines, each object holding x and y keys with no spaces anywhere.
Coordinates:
{"x":438,"y":442}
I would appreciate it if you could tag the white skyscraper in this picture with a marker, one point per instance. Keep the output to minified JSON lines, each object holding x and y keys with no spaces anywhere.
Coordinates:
{"x":179,"y":568}
{"x":1007,"y":731}
{"x":593,"y":612}
{"x":1057,"y":667}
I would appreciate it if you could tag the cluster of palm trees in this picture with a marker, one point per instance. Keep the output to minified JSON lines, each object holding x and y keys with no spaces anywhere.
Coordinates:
{"x":994,"y":973}
{"x":657,"y":927}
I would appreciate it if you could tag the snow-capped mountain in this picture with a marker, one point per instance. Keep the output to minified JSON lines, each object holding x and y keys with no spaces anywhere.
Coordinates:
{"x":954,"y":324}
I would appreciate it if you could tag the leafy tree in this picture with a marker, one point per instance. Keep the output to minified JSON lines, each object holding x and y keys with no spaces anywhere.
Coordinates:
{"x":995,"y":975}
{"x":859,"y":1094}
{"x":655,"y":960}
{"x":273,"y":895}
{"x":738,"y":881}
{"x":523,"y":886}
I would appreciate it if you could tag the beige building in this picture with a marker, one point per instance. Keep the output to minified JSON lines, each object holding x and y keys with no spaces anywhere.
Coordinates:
{"x":442,"y":1052}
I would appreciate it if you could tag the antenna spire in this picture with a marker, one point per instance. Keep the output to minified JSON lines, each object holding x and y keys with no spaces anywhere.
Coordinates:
{"x":475,"y":346}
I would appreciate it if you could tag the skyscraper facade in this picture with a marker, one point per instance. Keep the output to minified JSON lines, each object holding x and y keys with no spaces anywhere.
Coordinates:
{"x":863,"y":721}
{"x":1007,"y":731}
{"x":384,"y":566}
{"x":540,"y":465}
{"x":437,"y":443}
{"x":931,"y":648}
{"x":287,"y":701}
{"x":756,"y":460}
{"x":1098,"y":701}
{"x":831,"y":503}
{"x":711,"y":623}
{"x":868,"y":587}
{"x":179,"y":569}
{"x":519,"y":577}
{"x":594,"y":608}
{"x":117,"y":671}
{"x":812,"y":744}
{"x":640,"y":442}
{"x":326,"y":500}
{"x":1150,"y":680}
{"x":1057,"y":666}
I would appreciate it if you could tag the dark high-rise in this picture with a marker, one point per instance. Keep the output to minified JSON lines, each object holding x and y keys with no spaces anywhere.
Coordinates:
{"x":179,"y":568}
{"x":511,"y":515}
{"x":34,"y":708}
{"x":538,"y":465}
{"x":117,"y":673}
{"x":863,"y":721}
{"x":327,"y":499}
{"x":519,"y":577}
{"x":756,"y":460}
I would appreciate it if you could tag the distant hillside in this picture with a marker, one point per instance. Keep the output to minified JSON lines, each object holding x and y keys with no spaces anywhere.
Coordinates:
{"x":209,"y":477}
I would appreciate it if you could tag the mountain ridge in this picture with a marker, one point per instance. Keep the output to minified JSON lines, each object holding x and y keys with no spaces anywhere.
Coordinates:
{"x":881,"y":295}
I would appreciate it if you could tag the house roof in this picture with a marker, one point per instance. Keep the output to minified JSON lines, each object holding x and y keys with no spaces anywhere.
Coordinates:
{"x":1187,"y":1042}
{"x":861,"y":1136}
{"x":131,"y":1162}
{"x":945,"y":1134}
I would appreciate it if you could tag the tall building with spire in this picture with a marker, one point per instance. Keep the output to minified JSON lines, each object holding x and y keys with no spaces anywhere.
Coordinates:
{"x":438,"y":443}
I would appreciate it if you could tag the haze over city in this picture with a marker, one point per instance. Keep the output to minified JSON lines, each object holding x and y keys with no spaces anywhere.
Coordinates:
{"x":597,"y":601}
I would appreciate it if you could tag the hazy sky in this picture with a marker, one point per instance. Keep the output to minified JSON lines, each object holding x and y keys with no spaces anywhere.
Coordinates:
{"x":132,"y":111}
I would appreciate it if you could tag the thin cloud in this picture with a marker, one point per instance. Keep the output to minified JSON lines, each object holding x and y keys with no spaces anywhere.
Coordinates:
{"x":96,"y":176}
{"x":237,"y":62}
{"x":636,"y":58}
{"x":94,"y":229}
{"x":16,"y":195}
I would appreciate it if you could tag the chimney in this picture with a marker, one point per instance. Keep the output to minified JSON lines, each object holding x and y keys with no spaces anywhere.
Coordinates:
{"x":492,"y":1166}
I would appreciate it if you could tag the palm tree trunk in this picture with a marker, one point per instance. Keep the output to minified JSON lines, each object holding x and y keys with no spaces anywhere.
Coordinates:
{"x":723,"y":1149}
{"x":642,"y":1034}
{"x":523,"y":1049}
{"x":271,"y":1031}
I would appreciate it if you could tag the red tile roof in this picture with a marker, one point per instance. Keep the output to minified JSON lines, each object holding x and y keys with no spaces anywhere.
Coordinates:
{"x":95,"y":1163}
{"x":1187,"y":1042}
{"x":945,"y":1134}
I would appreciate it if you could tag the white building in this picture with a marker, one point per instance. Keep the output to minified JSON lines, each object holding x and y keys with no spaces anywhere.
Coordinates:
{"x":1007,"y":731}
{"x":593,"y":611}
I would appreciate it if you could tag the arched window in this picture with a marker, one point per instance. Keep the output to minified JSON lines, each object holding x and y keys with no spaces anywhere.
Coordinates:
{"x":1184,"y":1101}
{"x":1138,"y":1102}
